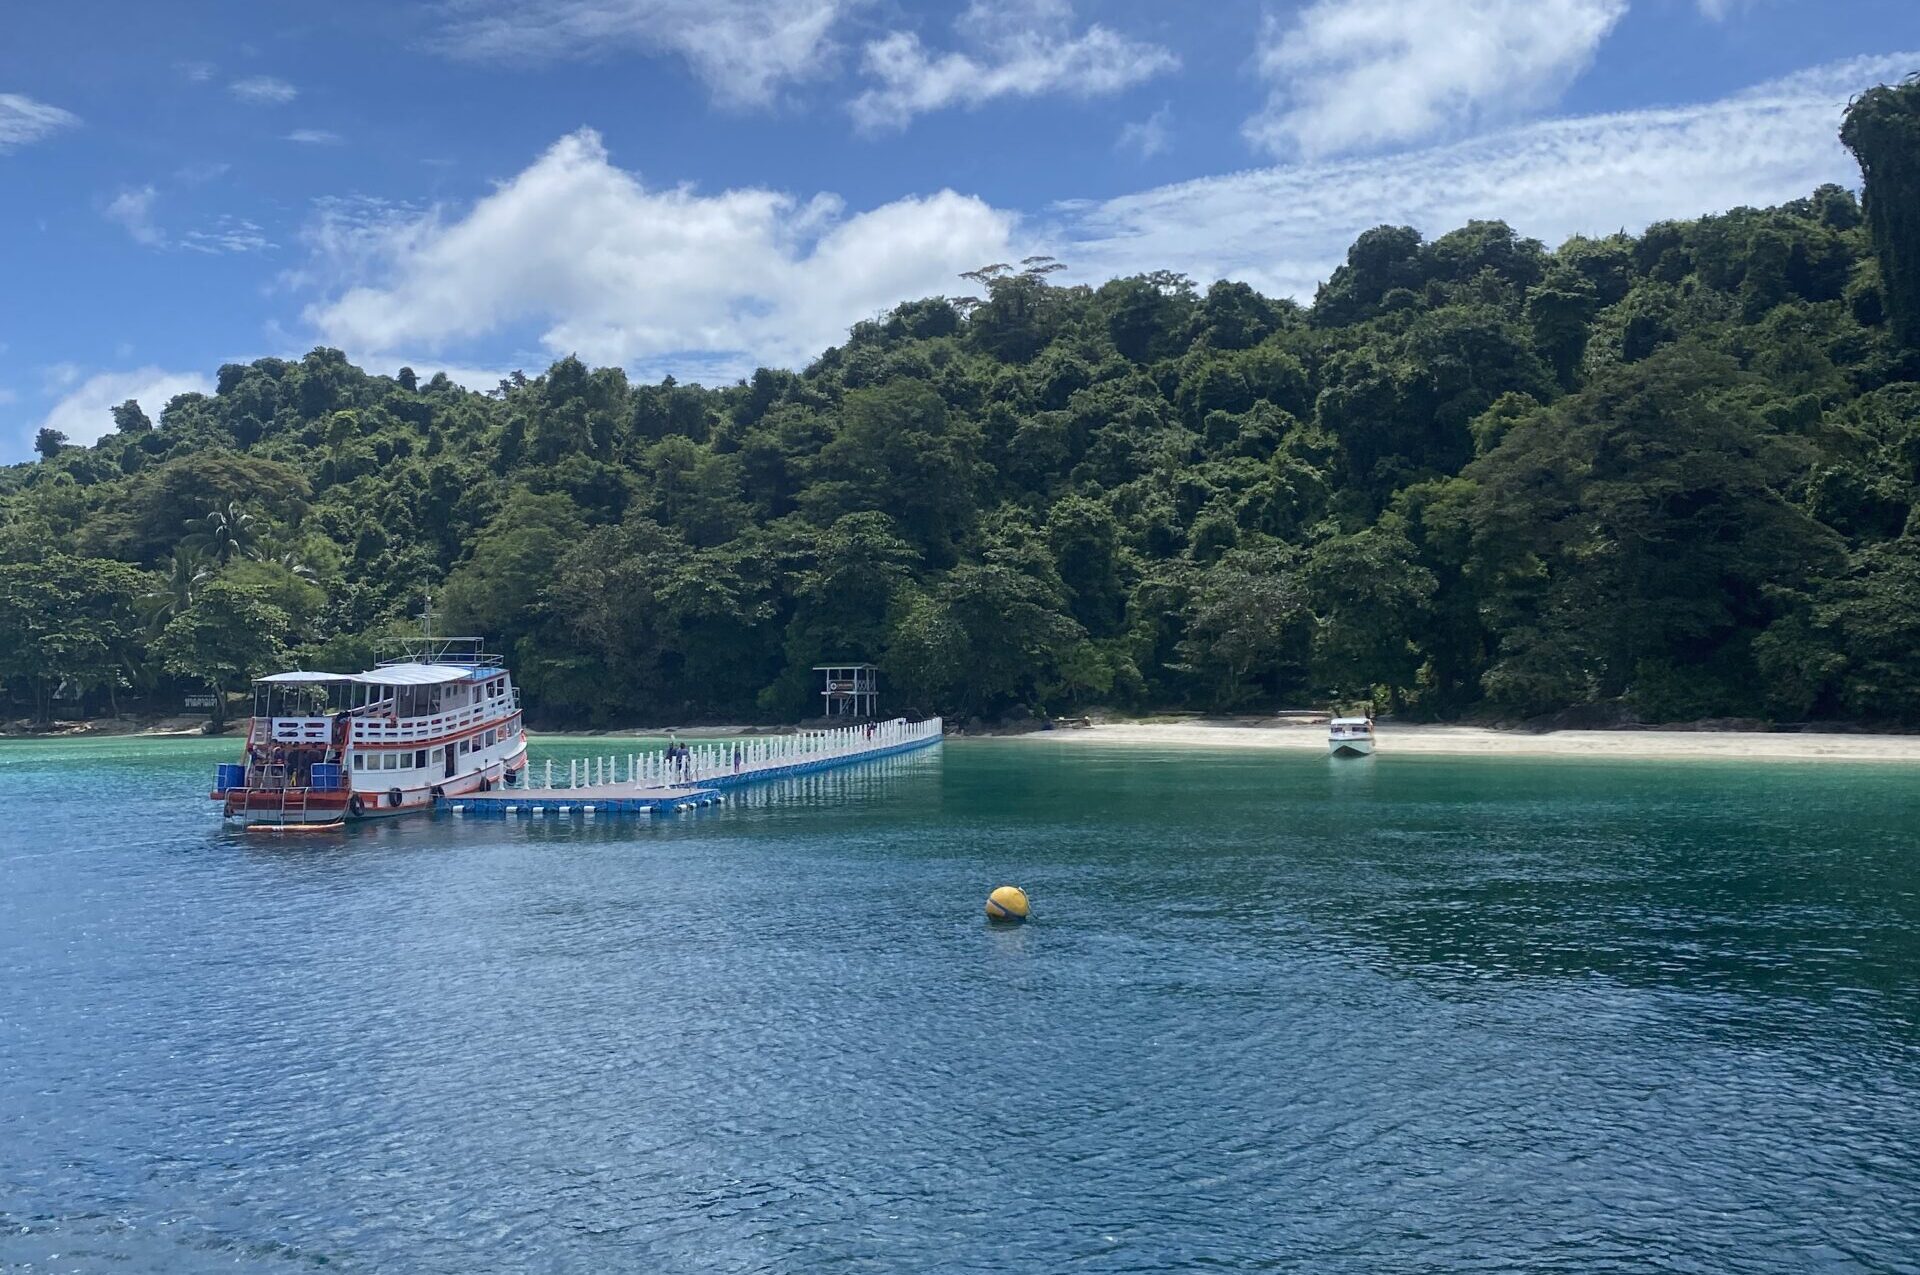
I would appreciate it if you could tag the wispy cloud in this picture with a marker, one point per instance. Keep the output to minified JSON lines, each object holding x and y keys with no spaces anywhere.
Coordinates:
{"x":1284,"y":229}
{"x":263,"y":90}
{"x":196,"y":72}
{"x":1353,"y":74}
{"x":133,"y":210}
{"x":670,"y":279}
{"x":227,"y":235}
{"x":745,"y":51}
{"x":315,"y":137}
{"x":1148,"y":137}
{"x":1015,"y":48}
{"x":24,"y":121}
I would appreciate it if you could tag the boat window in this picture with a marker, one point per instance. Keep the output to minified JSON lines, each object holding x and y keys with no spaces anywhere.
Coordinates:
{"x":463,"y":748}
{"x":438,"y":755}
{"x":420,"y":757}
{"x":359,"y":761}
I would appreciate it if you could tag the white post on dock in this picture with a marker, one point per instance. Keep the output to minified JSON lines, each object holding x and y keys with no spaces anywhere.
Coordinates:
{"x":549,"y":772}
{"x":573,"y":776}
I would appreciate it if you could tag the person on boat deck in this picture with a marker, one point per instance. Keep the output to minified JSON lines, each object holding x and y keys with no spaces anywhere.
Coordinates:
{"x":736,"y":759}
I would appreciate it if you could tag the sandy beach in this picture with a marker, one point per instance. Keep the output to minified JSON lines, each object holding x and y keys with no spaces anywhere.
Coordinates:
{"x":1461,"y":740}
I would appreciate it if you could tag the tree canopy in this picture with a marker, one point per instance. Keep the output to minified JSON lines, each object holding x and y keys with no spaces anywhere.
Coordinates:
{"x":1674,"y":472}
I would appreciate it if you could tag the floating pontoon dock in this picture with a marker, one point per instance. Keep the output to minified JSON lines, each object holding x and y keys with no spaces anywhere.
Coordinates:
{"x":658,"y":784}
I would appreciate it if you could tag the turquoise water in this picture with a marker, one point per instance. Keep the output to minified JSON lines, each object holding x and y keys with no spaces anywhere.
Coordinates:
{"x":1274,"y":1013}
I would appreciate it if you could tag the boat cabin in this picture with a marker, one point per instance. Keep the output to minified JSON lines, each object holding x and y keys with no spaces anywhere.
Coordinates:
{"x":392,"y":738}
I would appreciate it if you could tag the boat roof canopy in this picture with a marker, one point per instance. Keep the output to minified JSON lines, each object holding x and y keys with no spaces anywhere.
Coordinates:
{"x":385,"y":675}
{"x":1351,"y":721}
{"x":418,"y":674}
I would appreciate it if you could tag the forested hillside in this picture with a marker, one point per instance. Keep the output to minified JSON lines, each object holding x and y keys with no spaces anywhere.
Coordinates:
{"x":1673,"y":474}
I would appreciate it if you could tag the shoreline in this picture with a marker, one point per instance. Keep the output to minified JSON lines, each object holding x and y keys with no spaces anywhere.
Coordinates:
{"x":1468,"y":741}
{"x":1411,"y":739}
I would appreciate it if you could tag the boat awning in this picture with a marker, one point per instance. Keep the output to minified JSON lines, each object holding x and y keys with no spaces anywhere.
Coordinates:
{"x":1349,"y":721}
{"x":413,"y":675}
{"x":301,"y":677}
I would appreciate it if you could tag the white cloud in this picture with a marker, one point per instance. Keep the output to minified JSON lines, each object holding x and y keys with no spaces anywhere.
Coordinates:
{"x":24,"y":121}
{"x":315,"y":137}
{"x":576,"y":255}
{"x":197,"y":72}
{"x":264,"y":90}
{"x":1348,"y":74}
{"x":133,"y":209}
{"x":227,"y":235}
{"x":1284,"y":229}
{"x":743,"y":50}
{"x":621,"y":273}
{"x":86,"y":414}
{"x":1148,"y":137}
{"x":1021,"y":48}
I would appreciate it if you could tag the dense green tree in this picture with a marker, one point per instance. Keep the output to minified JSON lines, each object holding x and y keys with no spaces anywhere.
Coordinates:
{"x":128,"y":418}
{"x":1248,"y":632}
{"x":228,"y":636}
{"x":65,"y":620}
{"x":1674,"y":473}
{"x":1369,"y":596}
{"x":1882,"y":129}
{"x":1644,"y":523}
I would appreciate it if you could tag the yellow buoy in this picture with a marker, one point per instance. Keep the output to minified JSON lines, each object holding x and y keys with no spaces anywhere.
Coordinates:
{"x":1008,"y":903}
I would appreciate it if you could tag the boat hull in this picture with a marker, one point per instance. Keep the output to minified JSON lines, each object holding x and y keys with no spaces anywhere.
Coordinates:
{"x":1351,"y":748}
{"x":264,"y":809}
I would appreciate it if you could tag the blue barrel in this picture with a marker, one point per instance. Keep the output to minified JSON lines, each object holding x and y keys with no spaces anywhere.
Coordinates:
{"x":229,"y":775}
{"x":326,"y":777}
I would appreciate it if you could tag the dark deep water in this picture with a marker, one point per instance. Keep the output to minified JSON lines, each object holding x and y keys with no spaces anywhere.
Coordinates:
{"x":1274,"y":1013}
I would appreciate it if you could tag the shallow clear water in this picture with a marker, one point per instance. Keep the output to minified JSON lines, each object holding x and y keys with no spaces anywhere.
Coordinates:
{"x":1274,"y":1013}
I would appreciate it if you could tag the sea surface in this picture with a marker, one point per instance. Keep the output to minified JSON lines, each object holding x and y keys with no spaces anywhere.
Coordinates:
{"x":1274,"y":1013}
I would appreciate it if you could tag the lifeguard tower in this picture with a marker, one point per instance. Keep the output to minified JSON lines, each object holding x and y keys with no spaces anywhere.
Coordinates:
{"x":853,"y":690}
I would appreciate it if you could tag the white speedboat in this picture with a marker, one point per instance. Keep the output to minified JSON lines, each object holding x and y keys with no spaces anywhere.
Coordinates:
{"x":1350,"y":737}
{"x":327,"y":748}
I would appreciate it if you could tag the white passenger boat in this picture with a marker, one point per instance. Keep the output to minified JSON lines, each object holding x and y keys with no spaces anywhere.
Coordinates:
{"x":1350,"y":737}
{"x":326,"y":748}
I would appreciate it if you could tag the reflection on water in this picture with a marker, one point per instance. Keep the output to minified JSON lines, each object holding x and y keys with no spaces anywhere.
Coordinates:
{"x":1273,"y":1012}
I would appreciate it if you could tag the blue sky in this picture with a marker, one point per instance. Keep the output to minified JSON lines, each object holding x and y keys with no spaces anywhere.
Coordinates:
{"x":700,"y":186}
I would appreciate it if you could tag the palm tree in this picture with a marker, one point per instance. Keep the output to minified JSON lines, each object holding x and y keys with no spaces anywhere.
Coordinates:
{"x":281,"y":551}
{"x":227,"y":533}
{"x":188,"y":569}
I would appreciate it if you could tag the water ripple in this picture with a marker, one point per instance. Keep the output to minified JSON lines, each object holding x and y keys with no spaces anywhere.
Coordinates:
{"x":1408,"y":1016}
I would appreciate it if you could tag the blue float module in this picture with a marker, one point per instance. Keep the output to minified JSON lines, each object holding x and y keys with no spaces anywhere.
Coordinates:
{"x":700,"y":779}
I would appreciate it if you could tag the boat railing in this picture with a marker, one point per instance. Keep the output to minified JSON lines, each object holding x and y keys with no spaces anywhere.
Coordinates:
{"x":301,"y":730}
{"x":385,"y":730}
{"x":714,"y":761}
